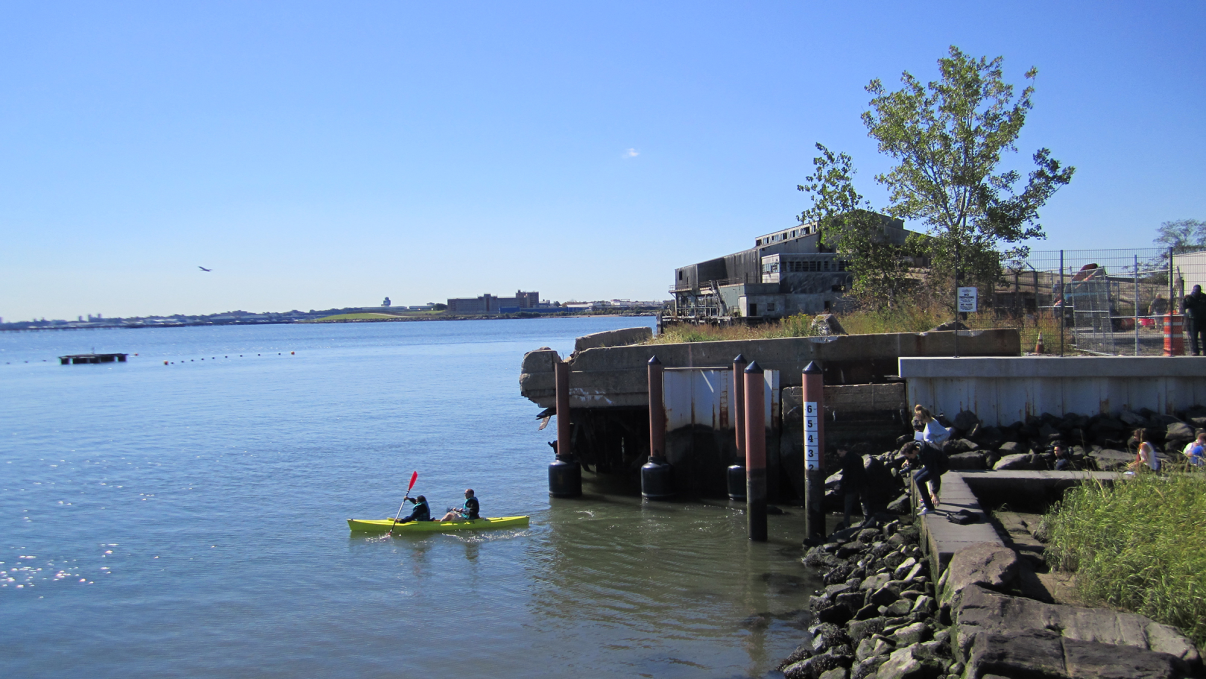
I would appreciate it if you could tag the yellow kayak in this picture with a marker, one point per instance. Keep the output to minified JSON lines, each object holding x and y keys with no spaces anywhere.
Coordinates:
{"x":383,"y":525}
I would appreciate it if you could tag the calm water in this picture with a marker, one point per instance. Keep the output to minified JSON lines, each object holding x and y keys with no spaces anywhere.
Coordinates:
{"x":188,"y":520}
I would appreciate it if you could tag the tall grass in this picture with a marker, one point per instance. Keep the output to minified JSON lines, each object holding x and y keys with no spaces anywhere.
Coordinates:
{"x":799,"y":325}
{"x":1138,"y":545}
{"x":906,"y":318}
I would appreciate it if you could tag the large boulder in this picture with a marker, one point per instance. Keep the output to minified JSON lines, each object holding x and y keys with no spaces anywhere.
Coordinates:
{"x":826,"y":324}
{"x":1013,"y":448}
{"x":1112,"y":460}
{"x":1043,"y":653}
{"x":1016,"y":461}
{"x":966,"y":420}
{"x":1177,"y":435}
{"x":811,"y":668}
{"x":956,"y":446}
{"x":979,"y":612}
{"x":905,"y":663}
{"x":969,"y":461}
{"x":1132,"y":419}
{"x":985,"y":564}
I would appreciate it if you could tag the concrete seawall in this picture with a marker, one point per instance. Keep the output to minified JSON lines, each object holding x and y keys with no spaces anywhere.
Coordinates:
{"x":1004,"y":390}
{"x":614,"y":377}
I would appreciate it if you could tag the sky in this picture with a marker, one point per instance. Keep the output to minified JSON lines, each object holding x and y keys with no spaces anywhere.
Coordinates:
{"x":328,"y":154}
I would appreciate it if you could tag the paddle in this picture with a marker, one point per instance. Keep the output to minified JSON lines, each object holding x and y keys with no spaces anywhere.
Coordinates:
{"x":414,"y":476}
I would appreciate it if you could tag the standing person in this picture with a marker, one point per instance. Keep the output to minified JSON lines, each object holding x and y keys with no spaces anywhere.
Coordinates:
{"x":421,"y":511}
{"x":468,"y":511}
{"x":1159,"y":306}
{"x":1146,"y":454}
{"x":854,"y":483}
{"x":1194,"y":308}
{"x":927,"y":471}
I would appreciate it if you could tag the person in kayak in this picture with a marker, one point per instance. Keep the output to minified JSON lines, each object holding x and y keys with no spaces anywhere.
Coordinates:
{"x":421,"y":512}
{"x":468,"y":511}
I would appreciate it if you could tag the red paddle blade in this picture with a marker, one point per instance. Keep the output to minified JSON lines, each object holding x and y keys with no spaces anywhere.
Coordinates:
{"x":414,"y":476}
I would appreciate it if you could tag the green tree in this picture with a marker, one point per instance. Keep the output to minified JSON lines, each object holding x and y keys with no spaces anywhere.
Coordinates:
{"x":1182,"y":235}
{"x":846,"y":224}
{"x":948,"y":137}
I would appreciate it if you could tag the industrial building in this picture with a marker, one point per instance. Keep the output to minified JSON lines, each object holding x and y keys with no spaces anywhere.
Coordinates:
{"x":786,"y":272}
{"x":489,"y":305}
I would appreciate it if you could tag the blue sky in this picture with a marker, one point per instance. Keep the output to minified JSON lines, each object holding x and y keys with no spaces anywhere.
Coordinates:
{"x":329,"y":154}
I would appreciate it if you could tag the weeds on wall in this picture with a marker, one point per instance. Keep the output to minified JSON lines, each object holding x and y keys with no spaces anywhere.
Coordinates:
{"x":919,"y":314}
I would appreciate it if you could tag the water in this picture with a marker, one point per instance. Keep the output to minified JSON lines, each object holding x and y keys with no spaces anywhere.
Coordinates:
{"x":188,"y":520}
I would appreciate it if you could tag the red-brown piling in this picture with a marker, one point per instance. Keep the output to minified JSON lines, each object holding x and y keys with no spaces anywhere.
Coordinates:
{"x":657,"y":411}
{"x":656,"y":481}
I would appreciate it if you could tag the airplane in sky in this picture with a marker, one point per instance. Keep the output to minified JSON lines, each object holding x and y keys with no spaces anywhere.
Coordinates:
{"x":204,"y":269}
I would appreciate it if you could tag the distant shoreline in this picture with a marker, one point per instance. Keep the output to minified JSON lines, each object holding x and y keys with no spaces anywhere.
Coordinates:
{"x":394,"y":319}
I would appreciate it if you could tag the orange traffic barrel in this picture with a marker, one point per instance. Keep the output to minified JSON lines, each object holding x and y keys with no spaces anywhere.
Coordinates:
{"x":1174,"y":339}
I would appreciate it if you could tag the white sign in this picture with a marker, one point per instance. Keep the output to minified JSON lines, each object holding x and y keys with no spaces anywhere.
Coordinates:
{"x":812,"y":429}
{"x":967,"y":300}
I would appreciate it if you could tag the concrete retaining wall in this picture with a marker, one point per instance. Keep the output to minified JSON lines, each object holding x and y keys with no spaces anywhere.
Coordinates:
{"x":1005,"y":390}
{"x":616,"y":376}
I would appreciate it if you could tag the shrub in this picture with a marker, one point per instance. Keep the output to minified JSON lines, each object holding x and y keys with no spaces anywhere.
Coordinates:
{"x":1138,"y":545}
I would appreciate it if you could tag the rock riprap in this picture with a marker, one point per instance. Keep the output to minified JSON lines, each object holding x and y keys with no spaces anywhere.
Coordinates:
{"x":877,"y":616}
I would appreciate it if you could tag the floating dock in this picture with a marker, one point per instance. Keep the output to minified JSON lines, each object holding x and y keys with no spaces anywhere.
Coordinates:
{"x":92,"y":358}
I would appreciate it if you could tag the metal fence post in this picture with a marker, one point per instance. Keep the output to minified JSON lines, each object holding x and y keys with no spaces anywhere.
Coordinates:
{"x":1170,"y":278}
{"x":1136,"y":305}
{"x":1063,"y":303}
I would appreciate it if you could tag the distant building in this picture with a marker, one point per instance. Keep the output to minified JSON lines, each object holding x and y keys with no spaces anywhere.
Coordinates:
{"x":786,"y":272}
{"x":385,"y":302}
{"x":489,"y":305}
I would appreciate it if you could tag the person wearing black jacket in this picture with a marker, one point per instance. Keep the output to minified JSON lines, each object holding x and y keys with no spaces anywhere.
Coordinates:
{"x":854,"y":483}
{"x":421,"y":512}
{"x":926,"y":464}
{"x":1194,"y":308}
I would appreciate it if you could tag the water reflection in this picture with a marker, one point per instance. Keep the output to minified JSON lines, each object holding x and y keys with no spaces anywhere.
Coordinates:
{"x":670,"y":582}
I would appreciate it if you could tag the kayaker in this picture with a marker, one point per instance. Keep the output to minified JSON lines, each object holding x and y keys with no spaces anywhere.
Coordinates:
{"x":468,"y":511}
{"x":421,"y":512}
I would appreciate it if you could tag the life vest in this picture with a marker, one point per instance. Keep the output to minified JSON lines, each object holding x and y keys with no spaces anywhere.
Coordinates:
{"x":472,"y":507}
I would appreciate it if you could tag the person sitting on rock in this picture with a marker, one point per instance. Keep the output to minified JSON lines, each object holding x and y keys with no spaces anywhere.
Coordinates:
{"x":1196,"y":450}
{"x":932,"y":433}
{"x":1146,"y":454}
{"x":924,"y":463}
{"x":468,"y":511}
{"x":1062,"y":462}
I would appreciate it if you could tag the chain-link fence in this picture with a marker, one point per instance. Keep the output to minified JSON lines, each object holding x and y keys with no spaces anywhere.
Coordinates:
{"x":1109,"y":302}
